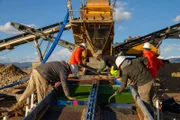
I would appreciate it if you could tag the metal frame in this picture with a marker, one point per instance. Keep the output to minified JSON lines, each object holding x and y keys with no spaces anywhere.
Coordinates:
{"x":140,"y":104}
{"x":91,"y":107}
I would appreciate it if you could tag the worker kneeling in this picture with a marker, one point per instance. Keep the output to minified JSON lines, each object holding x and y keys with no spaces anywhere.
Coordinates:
{"x":43,"y":76}
{"x":136,"y":71}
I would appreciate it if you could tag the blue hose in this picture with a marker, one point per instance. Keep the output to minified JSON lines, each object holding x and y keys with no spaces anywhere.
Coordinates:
{"x":16,"y":83}
{"x":57,"y":38}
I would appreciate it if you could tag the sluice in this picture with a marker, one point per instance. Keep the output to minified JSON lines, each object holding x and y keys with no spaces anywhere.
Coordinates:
{"x":55,"y":106}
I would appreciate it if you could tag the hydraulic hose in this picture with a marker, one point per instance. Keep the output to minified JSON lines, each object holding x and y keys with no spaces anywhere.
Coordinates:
{"x":57,"y":38}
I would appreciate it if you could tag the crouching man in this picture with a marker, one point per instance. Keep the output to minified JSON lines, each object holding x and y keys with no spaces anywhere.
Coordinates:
{"x":43,"y":76}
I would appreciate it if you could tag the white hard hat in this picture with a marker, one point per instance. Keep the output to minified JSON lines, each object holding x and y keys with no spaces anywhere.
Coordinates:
{"x":147,"y":45}
{"x":119,"y":60}
{"x":72,"y":68}
{"x":83,"y":45}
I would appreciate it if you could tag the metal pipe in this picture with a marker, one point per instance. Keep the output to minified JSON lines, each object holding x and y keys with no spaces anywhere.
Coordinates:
{"x":27,"y":106}
{"x":138,"y":101}
{"x":157,"y":110}
{"x":16,"y":83}
{"x":38,"y":50}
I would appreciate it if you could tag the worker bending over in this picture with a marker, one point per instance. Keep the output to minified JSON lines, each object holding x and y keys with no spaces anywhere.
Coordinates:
{"x":43,"y":76}
{"x":109,"y":61}
{"x":154,"y":64}
{"x":139,"y":76}
{"x":76,"y":58}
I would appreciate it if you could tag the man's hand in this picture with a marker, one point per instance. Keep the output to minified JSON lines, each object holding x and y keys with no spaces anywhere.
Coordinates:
{"x":71,"y":98}
{"x":57,"y":84}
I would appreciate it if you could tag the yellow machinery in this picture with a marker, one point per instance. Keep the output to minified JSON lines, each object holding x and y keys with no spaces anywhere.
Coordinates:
{"x":134,"y":46}
{"x":137,"y":50}
{"x":95,"y":26}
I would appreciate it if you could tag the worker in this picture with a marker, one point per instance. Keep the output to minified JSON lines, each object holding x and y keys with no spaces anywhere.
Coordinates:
{"x":43,"y":76}
{"x":139,"y":76}
{"x":76,"y":58}
{"x":109,"y":61}
{"x":154,"y":64}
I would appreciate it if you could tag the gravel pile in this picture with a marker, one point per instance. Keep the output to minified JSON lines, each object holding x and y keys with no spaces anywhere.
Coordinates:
{"x":10,"y":74}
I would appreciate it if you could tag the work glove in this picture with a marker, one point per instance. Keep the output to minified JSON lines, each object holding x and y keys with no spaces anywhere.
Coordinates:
{"x":113,"y":71}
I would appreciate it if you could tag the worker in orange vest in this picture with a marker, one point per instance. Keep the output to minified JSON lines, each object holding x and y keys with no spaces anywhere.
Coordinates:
{"x":154,"y":64}
{"x":76,"y":58}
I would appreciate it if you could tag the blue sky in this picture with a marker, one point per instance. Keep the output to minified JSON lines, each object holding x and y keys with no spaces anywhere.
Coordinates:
{"x":133,"y":18}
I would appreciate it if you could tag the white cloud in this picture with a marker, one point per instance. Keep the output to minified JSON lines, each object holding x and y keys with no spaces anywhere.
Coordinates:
{"x":35,"y":53}
{"x":62,"y":54}
{"x":4,"y":59}
{"x":170,"y":48}
{"x":121,"y":14}
{"x":177,"y":19}
{"x":120,"y":28}
{"x":161,"y":57}
{"x":120,"y":3}
{"x":7,"y":28}
{"x":173,"y":57}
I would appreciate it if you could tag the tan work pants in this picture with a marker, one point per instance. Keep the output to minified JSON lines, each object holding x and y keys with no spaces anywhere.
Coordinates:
{"x":36,"y":83}
{"x":148,"y":95}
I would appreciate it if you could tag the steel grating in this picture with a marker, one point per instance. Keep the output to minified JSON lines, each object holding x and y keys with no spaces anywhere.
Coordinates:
{"x":56,"y":112}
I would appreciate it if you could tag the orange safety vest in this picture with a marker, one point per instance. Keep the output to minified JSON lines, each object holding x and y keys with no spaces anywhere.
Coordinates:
{"x":154,"y":64}
{"x":76,"y":56}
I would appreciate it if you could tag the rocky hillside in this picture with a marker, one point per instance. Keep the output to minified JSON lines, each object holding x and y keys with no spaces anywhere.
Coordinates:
{"x":10,"y":74}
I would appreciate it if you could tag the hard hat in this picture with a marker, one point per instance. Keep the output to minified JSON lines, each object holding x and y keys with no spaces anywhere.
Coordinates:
{"x":73,"y":69}
{"x":119,"y":60}
{"x":83,"y":45}
{"x":147,"y":45}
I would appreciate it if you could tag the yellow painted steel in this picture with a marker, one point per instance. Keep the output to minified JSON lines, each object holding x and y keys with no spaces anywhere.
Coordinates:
{"x":98,"y":12}
{"x":137,"y":50}
{"x":96,"y":28}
